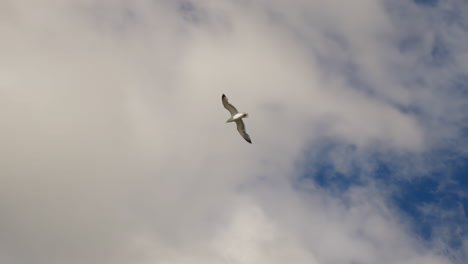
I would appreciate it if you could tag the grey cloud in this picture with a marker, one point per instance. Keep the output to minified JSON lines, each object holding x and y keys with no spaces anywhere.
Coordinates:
{"x":104,"y":162}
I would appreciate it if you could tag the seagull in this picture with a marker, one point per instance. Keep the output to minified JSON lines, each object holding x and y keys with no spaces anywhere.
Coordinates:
{"x":236,"y":117}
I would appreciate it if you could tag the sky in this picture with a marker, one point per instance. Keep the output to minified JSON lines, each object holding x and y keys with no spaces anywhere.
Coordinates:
{"x":114,"y":146}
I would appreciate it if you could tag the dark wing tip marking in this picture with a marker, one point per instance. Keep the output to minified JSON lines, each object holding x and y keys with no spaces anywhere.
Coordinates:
{"x":224,"y":96}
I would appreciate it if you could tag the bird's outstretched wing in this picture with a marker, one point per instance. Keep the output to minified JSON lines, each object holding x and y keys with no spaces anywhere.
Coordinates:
{"x":228,"y":106}
{"x":241,"y":129}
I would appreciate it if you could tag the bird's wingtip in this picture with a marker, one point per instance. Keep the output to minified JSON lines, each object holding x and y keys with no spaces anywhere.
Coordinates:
{"x":223,"y":96}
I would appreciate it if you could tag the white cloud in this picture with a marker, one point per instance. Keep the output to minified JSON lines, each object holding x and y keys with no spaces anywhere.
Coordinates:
{"x":104,"y":162}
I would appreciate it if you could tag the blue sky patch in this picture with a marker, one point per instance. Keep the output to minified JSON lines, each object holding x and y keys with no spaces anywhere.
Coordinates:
{"x":433,"y":199}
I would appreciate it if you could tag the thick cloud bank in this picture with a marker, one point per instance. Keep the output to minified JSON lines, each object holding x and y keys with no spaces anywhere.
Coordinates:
{"x":114,"y":147}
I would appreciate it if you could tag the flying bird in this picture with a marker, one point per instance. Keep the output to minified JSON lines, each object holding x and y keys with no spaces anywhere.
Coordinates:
{"x":236,"y":117}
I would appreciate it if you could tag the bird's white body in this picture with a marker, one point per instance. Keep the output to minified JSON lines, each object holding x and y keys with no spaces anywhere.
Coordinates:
{"x":237,"y":116}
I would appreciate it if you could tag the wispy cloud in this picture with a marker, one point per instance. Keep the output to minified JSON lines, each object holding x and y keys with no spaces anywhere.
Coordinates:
{"x":115,"y":149}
